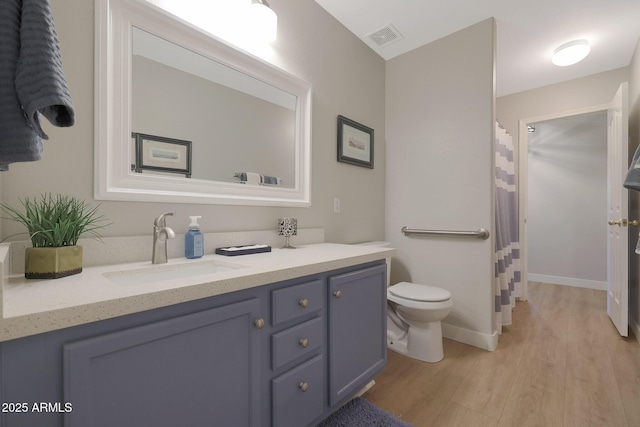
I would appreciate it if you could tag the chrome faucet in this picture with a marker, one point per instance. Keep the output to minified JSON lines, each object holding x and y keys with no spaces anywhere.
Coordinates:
{"x":161,"y":233}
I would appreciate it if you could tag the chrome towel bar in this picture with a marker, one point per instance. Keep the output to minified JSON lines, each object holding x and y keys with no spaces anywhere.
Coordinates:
{"x":481,"y":233}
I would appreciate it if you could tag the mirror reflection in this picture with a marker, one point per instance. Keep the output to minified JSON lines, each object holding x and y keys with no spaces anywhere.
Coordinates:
{"x":240,"y":128}
{"x":183,"y":117}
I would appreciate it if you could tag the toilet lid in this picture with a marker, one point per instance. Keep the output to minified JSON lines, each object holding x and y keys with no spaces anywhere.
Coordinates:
{"x":416,"y":292}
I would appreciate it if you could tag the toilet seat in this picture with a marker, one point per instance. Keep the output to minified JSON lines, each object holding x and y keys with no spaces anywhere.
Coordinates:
{"x":420,"y":293}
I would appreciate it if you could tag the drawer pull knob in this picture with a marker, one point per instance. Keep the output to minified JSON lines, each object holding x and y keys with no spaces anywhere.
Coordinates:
{"x":304,"y":343}
{"x":304,"y":303}
{"x":337,"y":294}
{"x":259,"y":323}
{"x":303,"y":386}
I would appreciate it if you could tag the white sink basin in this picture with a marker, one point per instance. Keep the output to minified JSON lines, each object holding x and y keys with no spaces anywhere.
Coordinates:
{"x":163,"y":272}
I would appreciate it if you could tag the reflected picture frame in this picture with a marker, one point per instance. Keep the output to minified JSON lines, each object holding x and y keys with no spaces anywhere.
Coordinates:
{"x":161,"y":154}
{"x":355,"y":143}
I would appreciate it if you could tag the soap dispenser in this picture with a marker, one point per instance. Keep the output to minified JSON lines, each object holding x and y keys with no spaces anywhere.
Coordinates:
{"x":194,"y":240}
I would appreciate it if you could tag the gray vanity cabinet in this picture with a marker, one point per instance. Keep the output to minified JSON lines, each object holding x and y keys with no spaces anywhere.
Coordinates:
{"x":183,"y":371}
{"x":318,"y":340}
{"x":357,"y":330}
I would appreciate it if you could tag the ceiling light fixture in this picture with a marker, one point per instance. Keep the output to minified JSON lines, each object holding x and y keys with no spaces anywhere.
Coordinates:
{"x":571,"y":53}
{"x":264,"y":20}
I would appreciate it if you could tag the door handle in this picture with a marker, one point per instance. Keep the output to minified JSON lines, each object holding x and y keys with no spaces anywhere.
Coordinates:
{"x":623,"y":222}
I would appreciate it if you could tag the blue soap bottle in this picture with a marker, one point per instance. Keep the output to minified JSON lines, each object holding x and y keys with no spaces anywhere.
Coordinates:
{"x":194,"y":240}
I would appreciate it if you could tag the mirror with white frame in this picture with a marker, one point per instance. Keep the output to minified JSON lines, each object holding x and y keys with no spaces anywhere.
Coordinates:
{"x":184,"y":117}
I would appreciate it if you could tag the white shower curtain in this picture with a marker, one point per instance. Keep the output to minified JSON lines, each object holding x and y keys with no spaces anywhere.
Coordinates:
{"x":507,"y":261}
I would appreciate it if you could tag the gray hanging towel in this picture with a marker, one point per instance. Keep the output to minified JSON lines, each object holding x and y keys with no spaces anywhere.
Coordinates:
{"x":632,"y":180}
{"x":31,"y":80}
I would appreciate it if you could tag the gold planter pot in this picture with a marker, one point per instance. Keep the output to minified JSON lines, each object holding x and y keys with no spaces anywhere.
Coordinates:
{"x":52,"y":263}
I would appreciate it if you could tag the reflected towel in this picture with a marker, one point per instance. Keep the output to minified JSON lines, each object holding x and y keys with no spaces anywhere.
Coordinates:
{"x":249,"y":177}
{"x":31,"y":80}
{"x":271,"y":180}
{"x":252,"y":178}
{"x":257,"y":179}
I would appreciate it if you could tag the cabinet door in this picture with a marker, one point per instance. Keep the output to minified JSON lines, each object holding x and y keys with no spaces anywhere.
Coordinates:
{"x":194,"y":370}
{"x":357,"y":330}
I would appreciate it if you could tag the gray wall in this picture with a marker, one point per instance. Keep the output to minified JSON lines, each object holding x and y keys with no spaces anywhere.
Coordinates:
{"x":575,"y":94}
{"x":223,"y":140}
{"x":440,"y":130}
{"x":347,"y":78}
{"x":567,"y":194}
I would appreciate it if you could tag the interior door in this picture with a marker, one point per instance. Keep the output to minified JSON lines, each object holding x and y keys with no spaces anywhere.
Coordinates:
{"x":618,"y":200}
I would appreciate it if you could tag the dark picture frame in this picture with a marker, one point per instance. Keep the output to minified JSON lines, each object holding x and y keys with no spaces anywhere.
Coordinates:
{"x":158,"y":153}
{"x":355,"y":143}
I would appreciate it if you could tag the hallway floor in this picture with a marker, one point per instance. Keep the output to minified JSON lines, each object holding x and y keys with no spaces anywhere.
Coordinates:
{"x":561,"y":363}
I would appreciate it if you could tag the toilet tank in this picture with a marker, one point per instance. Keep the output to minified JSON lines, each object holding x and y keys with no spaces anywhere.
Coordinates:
{"x":382,"y":244}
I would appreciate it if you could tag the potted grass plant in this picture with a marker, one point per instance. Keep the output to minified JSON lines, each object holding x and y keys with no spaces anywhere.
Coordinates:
{"x":55,"y":223}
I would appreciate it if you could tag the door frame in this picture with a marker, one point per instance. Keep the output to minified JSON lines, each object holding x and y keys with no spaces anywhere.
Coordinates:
{"x":522,"y":179}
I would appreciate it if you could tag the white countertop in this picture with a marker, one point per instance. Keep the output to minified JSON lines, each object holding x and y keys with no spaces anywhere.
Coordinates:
{"x":30,"y":307}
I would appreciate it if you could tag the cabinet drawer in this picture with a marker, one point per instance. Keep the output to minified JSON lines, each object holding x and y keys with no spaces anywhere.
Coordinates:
{"x":296,"y":301}
{"x":296,"y":342}
{"x":298,"y":394}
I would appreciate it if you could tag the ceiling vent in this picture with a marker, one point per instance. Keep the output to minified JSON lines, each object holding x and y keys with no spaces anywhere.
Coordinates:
{"x":385,"y":35}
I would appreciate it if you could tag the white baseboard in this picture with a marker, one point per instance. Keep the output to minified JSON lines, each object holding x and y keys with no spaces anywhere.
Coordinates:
{"x":474,"y":338}
{"x":635,"y":327}
{"x":568,"y":281}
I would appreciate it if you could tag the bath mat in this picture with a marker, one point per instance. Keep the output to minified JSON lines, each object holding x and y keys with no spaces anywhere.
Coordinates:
{"x":360,"y":413}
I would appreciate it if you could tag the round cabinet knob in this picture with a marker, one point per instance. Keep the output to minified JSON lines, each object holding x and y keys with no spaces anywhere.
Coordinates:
{"x":337,"y":294}
{"x":259,"y":323}
{"x":304,"y":343}
{"x":304,"y":303}
{"x":303,"y":386}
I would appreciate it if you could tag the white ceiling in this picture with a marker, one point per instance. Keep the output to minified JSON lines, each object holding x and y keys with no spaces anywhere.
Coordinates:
{"x":527,"y":32}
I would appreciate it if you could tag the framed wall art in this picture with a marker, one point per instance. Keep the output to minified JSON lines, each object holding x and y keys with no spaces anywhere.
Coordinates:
{"x":355,"y":143}
{"x":157,"y":153}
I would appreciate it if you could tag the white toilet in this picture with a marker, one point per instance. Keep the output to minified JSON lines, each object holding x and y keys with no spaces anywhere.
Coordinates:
{"x":414,"y":313}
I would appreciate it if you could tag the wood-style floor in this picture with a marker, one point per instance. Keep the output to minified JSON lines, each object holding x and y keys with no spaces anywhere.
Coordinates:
{"x":561,"y":363}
